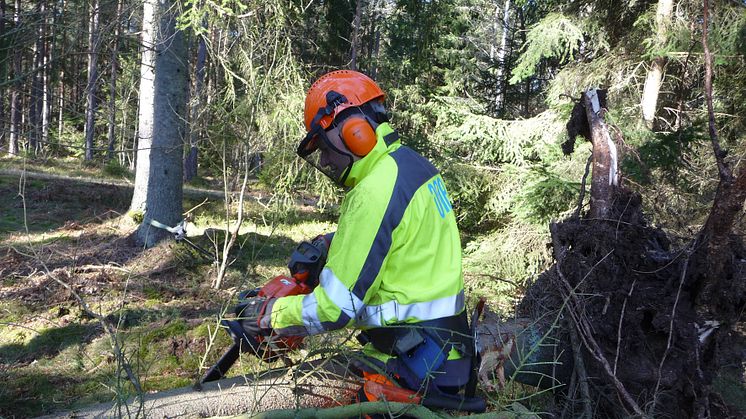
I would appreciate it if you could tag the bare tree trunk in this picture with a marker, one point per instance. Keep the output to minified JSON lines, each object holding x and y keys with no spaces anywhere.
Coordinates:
{"x":376,"y":13}
{"x":501,"y":53}
{"x":15,"y":110}
{"x":61,"y":86}
{"x":113,"y":82}
{"x":3,"y":79}
{"x":655,"y":74}
{"x":47,"y":61}
{"x":163,"y":89}
{"x":356,"y":34}
{"x":35,"y":102}
{"x":729,"y":197}
{"x":604,"y":178}
{"x":195,"y":131}
{"x":90,"y":109}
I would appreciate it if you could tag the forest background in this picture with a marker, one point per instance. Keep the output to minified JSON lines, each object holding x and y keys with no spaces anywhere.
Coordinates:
{"x":484,"y":88}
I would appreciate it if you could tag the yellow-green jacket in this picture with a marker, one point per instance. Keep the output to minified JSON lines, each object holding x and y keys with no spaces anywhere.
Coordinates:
{"x":396,"y":254}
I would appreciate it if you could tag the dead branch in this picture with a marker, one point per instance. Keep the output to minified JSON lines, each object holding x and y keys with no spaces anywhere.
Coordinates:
{"x":582,"y":374}
{"x":229,"y":242}
{"x":723,"y":169}
{"x":619,"y":328}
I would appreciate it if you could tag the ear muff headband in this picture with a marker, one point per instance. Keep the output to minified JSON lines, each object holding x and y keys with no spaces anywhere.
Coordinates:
{"x":358,"y":135}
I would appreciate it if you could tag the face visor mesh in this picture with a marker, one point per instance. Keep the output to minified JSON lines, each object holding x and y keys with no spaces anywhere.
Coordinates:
{"x":321,"y":152}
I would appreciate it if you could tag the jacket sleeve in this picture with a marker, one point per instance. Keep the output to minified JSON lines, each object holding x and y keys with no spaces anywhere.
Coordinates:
{"x":351,"y":275}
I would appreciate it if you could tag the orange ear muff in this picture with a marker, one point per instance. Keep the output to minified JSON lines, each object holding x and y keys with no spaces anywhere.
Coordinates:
{"x":358,"y":135}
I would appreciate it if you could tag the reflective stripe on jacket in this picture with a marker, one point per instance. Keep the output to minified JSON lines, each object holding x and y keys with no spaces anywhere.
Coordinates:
{"x":396,"y":254}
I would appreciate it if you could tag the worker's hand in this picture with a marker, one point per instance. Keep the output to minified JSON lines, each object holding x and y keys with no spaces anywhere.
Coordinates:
{"x":323,"y":242}
{"x":254,"y":315}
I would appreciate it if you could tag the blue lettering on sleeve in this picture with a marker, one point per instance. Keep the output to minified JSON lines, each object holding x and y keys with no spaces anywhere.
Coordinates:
{"x":440,"y":196}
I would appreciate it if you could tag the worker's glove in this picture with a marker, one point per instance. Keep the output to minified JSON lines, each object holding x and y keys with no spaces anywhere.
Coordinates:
{"x":323,"y":242}
{"x":253,"y":314}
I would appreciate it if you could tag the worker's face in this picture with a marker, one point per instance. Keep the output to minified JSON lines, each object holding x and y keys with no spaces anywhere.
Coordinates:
{"x":330,"y":155}
{"x":329,"y":158}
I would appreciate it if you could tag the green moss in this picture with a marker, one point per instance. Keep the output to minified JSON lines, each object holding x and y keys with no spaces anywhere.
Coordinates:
{"x":137,"y":216}
{"x":165,"y":382}
{"x":11,"y":311}
{"x":34,"y":388}
{"x":46,"y":342}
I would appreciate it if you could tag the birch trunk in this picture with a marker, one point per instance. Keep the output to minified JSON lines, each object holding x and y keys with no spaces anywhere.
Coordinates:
{"x":163,"y":89}
{"x":654,"y":77}
{"x":90,"y":108}
{"x":47,"y":62}
{"x":113,"y":82}
{"x":501,"y":53}
{"x":15,"y":110}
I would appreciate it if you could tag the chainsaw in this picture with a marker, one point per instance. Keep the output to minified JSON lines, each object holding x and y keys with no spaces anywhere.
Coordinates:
{"x":305,"y":265}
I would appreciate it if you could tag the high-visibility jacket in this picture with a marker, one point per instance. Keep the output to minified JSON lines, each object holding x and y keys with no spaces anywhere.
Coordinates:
{"x":396,"y":254}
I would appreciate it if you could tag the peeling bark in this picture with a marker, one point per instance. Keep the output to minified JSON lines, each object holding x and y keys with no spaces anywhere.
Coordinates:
{"x":605,"y":177}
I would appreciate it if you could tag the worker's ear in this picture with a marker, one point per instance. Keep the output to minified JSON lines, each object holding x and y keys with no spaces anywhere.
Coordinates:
{"x":358,"y":135}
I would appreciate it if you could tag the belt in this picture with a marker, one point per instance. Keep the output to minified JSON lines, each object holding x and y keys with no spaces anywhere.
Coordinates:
{"x":449,"y":332}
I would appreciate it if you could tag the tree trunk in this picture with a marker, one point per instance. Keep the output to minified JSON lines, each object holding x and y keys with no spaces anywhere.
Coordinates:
{"x":356,"y":34}
{"x":376,"y":40}
{"x":655,"y":74}
{"x":190,"y":163}
{"x":90,"y":108}
{"x":3,"y":79}
{"x":516,"y":349}
{"x":113,"y":82}
{"x":61,"y":86}
{"x":605,"y":177}
{"x":46,"y":62}
{"x":36,"y":99}
{"x":15,"y":110}
{"x":716,"y":293}
{"x":500,"y":58}
{"x":163,"y":88}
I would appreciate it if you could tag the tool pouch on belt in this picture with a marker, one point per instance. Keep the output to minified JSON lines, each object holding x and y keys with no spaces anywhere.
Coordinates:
{"x":423,"y":347}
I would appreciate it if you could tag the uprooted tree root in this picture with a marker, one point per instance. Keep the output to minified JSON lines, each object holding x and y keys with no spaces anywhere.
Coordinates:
{"x":642,"y":346}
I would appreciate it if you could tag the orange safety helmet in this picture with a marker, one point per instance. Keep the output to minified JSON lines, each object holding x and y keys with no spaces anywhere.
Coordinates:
{"x":340,"y":97}
{"x":356,"y":87}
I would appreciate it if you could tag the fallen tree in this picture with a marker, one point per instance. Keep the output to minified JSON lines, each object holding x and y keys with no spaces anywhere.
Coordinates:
{"x":646,"y":322}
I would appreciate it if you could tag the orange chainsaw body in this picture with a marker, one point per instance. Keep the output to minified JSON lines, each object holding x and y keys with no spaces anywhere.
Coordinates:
{"x":282,"y":286}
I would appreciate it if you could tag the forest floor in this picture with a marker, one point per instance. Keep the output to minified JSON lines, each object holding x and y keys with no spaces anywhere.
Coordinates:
{"x":58,"y":227}
{"x":69,"y":225}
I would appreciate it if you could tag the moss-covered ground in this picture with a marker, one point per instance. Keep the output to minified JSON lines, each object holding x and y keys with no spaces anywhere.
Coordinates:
{"x":53,"y":356}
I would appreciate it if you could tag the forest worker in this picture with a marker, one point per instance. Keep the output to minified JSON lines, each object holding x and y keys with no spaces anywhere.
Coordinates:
{"x":394,"y":264}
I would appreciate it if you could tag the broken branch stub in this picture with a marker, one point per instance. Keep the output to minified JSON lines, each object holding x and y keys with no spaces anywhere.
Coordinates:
{"x":605,"y":175}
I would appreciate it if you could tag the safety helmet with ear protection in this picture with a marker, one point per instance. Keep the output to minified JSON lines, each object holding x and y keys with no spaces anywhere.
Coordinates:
{"x":339,"y":99}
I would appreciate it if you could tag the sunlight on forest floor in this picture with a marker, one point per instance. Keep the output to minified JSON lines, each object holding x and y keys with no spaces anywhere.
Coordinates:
{"x":56,"y":357}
